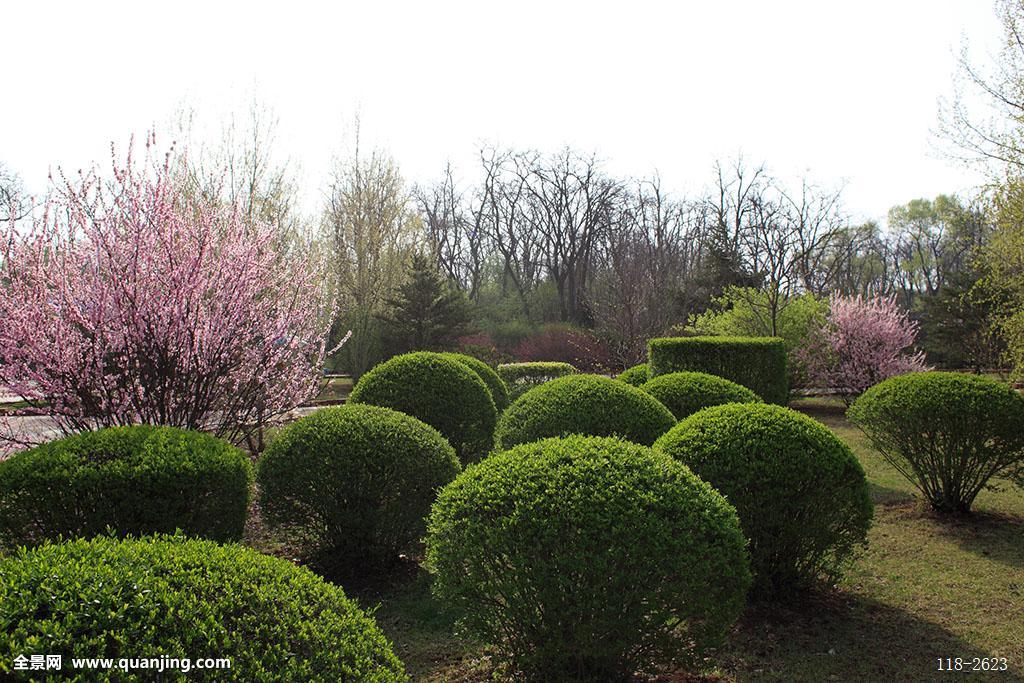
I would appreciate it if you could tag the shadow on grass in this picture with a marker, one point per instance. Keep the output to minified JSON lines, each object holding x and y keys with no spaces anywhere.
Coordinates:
{"x":843,"y":637}
{"x":423,"y":631}
{"x":990,"y":534}
{"x":887,"y":496}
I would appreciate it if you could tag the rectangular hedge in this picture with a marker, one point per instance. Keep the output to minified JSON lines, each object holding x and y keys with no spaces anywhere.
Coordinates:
{"x":758,"y":363}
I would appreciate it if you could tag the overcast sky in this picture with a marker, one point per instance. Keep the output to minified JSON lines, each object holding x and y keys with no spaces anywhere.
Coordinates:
{"x":839,"y":91}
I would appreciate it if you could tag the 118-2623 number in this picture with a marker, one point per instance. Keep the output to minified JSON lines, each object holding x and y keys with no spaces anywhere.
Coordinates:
{"x":972,"y":664}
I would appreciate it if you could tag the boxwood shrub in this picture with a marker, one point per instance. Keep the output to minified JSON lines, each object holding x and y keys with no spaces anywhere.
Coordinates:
{"x":636,"y":375}
{"x":358,"y":480}
{"x":442,"y":392}
{"x":758,"y":363}
{"x":948,"y":433}
{"x":135,"y":480}
{"x":584,"y":404}
{"x":684,"y":393}
{"x":179,"y":598}
{"x":521,"y":377}
{"x":499,"y":392}
{"x":800,"y":493}
{"x":586,"y":558}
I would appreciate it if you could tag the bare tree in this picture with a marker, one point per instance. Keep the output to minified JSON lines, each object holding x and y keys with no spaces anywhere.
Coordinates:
{"x":15,"y":203}
{"x":371,"y":224}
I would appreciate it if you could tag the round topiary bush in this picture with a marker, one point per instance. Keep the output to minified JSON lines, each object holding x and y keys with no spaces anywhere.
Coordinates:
{"x":168,"y":597}
{"x":444,"y":393}
{"x":499,"y":392}
{"x":586,"y":558}
{"x":521,"y":377}
{"x":135,"y":480}
{"x":584,"y":404}
{"x":636,"y":375}
{"x":800,"y":493}
{"x":948,"y":433}
{"x":684,"y":393}
{"x":358,"y":480}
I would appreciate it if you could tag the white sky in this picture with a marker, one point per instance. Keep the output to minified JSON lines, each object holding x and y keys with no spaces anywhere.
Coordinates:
{"x":841,"y":91}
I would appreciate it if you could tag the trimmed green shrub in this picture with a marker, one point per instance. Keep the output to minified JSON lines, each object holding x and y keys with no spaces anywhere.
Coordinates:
{"x":444,"y":393}
{"x":948,"y":433}
{"x":800,"y":493}
{"x":585,"y":558}
{"x":359,"y":480}
{"x":521,"y":377}
{"x":170,"y":597}
{"x":134,"y":480}
{"x":636,"y":375}
{"x":756,"y":363}
{"x":584,"y":404}
{"x":499,"y":392}
{"x":684,"y":393}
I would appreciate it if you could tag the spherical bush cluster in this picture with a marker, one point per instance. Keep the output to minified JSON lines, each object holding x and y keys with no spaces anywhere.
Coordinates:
{"x":499,"y":392}
{"x":188,"y":599}
{"x":444,"y":393}
{"x":134,"y":480}
{"x":684,"y":393}
{"x":636,"y":375}
{"x":801,"y":495}
{"x":584,"y":404}
{"x":359,"y":480}
{"x":948,"y":433}
{"x":585,"y":558}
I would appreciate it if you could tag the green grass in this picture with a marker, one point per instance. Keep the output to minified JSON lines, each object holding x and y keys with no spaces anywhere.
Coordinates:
{"x":926,"y":587}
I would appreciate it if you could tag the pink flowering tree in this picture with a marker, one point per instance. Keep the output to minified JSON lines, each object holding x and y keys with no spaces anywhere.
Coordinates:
{"x":862,"y":342}
{"x":131,"y":300}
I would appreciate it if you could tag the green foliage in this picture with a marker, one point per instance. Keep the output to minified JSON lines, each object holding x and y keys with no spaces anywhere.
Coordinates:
{"x":499,"y":392}
{"x":521,"y":377}
{"x":426,"y":312}
{"x":684,"y":393}
{"x":358,"y":479}
{"x":746,"y":312}
{"x":948,"y":433}
{"x":134,"y":480}
{"x":1002,"y":265}
{"x":635,"y":376}
{"x":956,"y":326}
{"x":168,"y":596}
{"x":585,"y":558}
{"x":757,"y":363}
{"x":801,"y":494}
{"x":444,"y":393}
{"x":584,"y":404}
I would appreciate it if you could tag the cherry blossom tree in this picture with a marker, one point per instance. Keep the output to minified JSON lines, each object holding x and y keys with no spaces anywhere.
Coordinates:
{"x":130,"y":300}
{"x":862,"y":342}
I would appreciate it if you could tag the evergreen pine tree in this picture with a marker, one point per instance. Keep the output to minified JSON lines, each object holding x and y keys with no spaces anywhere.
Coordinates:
{"x":426,"y":313}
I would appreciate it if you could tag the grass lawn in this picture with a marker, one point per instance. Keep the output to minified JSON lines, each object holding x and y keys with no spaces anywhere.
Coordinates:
{"x":925,"y":588}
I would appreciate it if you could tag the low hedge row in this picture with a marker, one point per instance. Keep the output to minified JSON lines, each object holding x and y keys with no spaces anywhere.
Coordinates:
{"x":521,"y":377}
{"x":756,"y":363}
{"x":134,"y":480}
